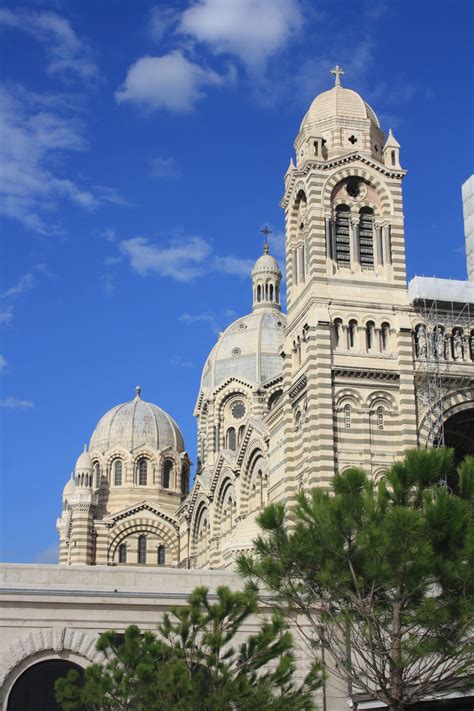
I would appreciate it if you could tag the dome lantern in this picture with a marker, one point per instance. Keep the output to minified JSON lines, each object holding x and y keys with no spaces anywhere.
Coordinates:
{"x":266,"y":279}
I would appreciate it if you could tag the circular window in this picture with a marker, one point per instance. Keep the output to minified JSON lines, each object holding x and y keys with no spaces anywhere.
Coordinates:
{"x":236,"y":351}
{"x":353,"y":188}
{"x":238,"y":410}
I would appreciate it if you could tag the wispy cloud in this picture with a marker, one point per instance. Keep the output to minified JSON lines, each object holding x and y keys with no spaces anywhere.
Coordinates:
{"x":180,"y":362}
{"x":67,"y":54}
{"x":14,"y":403}
{"x":161,"y":167}
{"x":48,"y":555}
{"x":31,"y":182}
{"x":161,"y":19}
{"x":252,"y":30}
{"x":183,"y":259}
{"x":109,"y":285}
{"x":25,"y":282}
{"x":3,"y":363}
{"x":216,"y":322}
{"x":171,"y":82}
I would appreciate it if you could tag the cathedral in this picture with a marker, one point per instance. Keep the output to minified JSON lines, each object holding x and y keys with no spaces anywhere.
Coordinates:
{"x":362,"y":367}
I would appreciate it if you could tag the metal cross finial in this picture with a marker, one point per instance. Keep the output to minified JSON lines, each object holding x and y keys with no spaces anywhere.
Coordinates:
{"x":265,"y":232}
{"x":338,"y":72}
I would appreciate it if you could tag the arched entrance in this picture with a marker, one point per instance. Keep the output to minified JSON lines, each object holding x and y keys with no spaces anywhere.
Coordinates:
{"x":34,"y":689}
{"x":459,"y":433}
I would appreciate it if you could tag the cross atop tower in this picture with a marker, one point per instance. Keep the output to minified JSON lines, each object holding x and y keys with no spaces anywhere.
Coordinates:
{"x":338,"y":72}
{"x":265,"y":232}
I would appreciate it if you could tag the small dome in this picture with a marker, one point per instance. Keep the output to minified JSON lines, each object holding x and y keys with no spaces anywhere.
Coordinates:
{"x":135,"y":423}
{"x":341,"y":103}
{"x":69,"y":488}
{"x":267,"y":264}
{"x":248,"y":349}
{"x":84,"y":461}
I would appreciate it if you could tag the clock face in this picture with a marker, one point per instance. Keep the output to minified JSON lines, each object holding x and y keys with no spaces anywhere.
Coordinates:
{"x":238,"y":410}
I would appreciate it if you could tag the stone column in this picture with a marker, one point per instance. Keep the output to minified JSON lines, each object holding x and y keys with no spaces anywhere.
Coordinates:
{"x":378,"y":246}
{"x":295,"y":267}
{"x":387,"y":244}
{"x":355,"y":247}
{"x":329,"y":245}
{"x":301,"y":269}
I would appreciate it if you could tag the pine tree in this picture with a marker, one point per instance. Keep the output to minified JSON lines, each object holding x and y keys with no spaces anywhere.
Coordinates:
{"x":193,"y":664}
{"x":383,"y":575}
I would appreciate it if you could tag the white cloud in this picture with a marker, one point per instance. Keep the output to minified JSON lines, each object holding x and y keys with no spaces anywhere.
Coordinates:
{"x":180,"y":362}
{"x":67,"y":53}
{"x":33,"y":138}
{"x":13,"y":403}
{"x":252,"y":30}
{"x":161,"y":167}
{"x":24,"y":283}
{"x":214,"y":321}
{"x":109,"y":234}
{"x":3,"y":362}
{"x":161,"y":18}
{"x":182,"y":259}
{"x":169,"y":82}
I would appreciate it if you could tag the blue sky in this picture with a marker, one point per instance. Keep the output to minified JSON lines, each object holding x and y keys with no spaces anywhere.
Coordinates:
{"x":143,"y":147}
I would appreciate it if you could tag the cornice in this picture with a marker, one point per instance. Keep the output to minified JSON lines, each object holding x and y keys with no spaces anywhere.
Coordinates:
{"x":335,"y":163}
{"x":298,"y":386}
{"x":365,"y":373}
{"x":109,"y":522}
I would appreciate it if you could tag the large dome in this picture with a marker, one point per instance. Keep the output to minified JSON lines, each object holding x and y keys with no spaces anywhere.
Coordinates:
{"x":249,"y":349}
{"x":341,"y":103}
{"x":135,"y":423}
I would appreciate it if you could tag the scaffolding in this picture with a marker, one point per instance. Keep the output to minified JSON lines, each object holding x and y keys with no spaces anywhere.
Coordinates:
{"x":442,"y":321}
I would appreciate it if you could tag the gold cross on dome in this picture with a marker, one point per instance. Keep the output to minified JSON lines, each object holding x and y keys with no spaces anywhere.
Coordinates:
{"x":338,"y":72}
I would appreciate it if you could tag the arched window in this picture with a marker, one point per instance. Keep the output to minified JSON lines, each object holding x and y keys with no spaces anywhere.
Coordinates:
{"x":337,"y":331}
{"x":274,"y":399}
{"x":241,"y":435}
{"x":122,"y":553}
{"x":231,"y":442}
{"x":347,"y":417}
{"x":142,"y":472}
{"x":161,"y":555}
{"x":380,"y":418}
{"x":352,"y":333}
{"x":97,"y":475}
{"x":118,"y":472}
{"x":184,"y":480}
{"x":384,"y":336}
{"x":166,"y":476}
{"x":369,"y":335}
{"x":394,"y":159}
{"x":343,"y":249}
{"x":142,"y":550}
{"x":366,"y":237}
{"x":259,"y":293}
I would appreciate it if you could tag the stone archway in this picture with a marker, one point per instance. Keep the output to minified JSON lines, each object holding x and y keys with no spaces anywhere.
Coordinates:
{"x":34,"y":688}
{"x":459,"y":433}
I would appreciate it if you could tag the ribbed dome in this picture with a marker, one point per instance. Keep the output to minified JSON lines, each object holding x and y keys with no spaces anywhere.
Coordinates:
{"x":136,"y":423}
{"x":266,"y":263}
{"x":69,"y":488}
{"x":338,"y":102}
{"x":249,"y":349}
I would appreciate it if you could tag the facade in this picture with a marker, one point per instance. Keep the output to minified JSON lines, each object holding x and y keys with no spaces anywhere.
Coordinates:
{"x":360,"y":368}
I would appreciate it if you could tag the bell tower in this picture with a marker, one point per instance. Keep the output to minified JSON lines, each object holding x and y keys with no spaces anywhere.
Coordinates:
{"x":348,"y":353}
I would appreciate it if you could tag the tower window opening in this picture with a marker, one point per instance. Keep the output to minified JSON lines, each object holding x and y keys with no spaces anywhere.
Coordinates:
{"x":394,"y":159}
{"x":142,"y":550}
{"x":347,"y":417}
{"x":337,"y":331}
{"x":142,"y":472}
{"x":351,"y":332}
{"x":259,"y":293}
{"x":184,"y":480}
{"x":384,"y":334}
{"x":369,"y":335}
{"x":166,"y":476}
{"x":343,"y":249}
{"x":231,"y":442}
{"x":380,"y":418}
{"x":122,"y":553}
{"x":316,"y":148}
{"x":271,"y":292}
{"x":118,"y":473}
{"x":366,"y":237}
{"x":241,"y":434}
{"x":161,"y":555}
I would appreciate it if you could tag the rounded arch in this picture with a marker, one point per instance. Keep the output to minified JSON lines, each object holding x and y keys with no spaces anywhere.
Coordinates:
{"x":453,"y":404}
{"x":381,"y":397}
{"x":57,"y":643}
{"x":348,"y":396}
{"x":255,"y":466}
{"x":384,"y":196}
{"x":139,"y":526}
